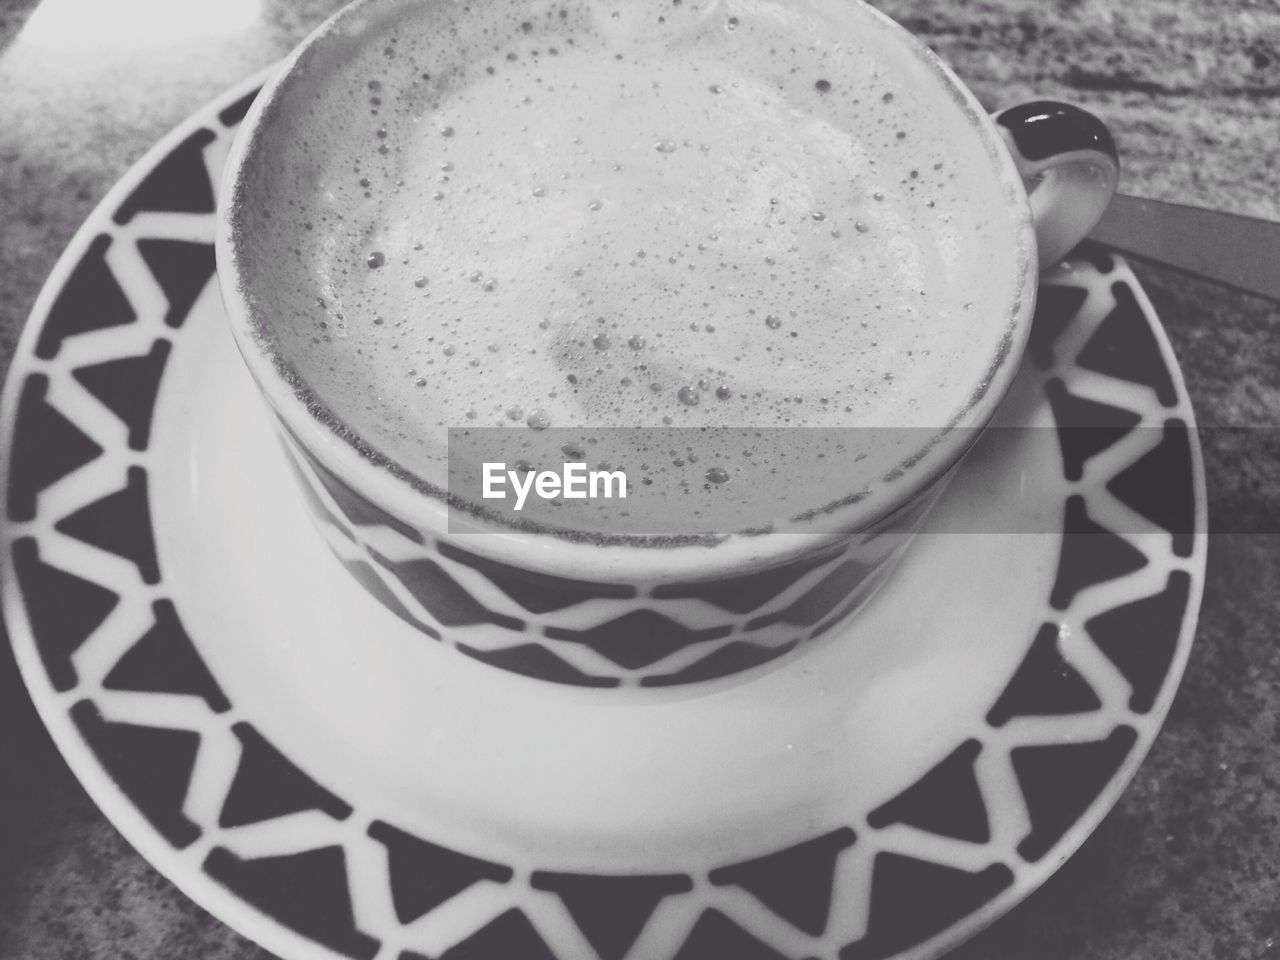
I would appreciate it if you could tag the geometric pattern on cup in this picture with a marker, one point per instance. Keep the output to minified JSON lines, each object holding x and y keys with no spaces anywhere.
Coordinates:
{"x":655,"y":634}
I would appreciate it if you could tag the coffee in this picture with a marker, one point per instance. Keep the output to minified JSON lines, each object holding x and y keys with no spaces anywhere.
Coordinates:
{"x":593,"y":215}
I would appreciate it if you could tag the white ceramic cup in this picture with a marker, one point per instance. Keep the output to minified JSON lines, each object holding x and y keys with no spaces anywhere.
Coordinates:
{"x":661,"y":612}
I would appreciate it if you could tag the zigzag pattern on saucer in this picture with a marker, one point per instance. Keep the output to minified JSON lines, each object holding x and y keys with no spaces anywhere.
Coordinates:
{"x":204,"y":791}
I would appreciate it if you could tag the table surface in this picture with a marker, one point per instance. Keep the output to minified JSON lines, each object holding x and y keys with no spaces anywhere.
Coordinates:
{"x":1188,"y":863}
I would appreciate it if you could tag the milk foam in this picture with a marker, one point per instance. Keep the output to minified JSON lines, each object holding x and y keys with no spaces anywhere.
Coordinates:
{"x":641,"y":214}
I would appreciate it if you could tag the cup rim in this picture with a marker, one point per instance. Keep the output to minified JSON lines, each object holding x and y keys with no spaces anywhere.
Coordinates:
{"x":427,"y":507}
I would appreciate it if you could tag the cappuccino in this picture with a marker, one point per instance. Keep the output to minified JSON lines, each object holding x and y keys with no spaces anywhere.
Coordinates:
{"x":597,"y":216}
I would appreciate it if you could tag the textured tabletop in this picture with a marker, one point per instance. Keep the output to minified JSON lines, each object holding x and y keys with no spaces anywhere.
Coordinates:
{"x":1188,"y":863}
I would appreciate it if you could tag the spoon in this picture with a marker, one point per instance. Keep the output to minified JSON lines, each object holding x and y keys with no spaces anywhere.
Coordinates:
{"x":1225,"y":248}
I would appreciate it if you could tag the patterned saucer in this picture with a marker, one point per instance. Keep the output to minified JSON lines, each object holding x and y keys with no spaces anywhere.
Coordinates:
{"x":330,"y":782}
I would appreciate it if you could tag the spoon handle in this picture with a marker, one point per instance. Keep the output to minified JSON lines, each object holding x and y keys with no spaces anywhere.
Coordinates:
{"x":1237,"y":251}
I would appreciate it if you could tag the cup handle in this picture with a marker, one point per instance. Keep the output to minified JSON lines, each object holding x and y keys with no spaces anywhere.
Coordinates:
{"x":1068,"y":161}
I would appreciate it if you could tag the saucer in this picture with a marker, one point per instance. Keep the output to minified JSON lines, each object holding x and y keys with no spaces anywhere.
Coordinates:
{"x":331,"y":783}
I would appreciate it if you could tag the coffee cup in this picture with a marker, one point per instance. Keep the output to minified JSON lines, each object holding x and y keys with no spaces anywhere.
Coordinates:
{"x":444,"y":229}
